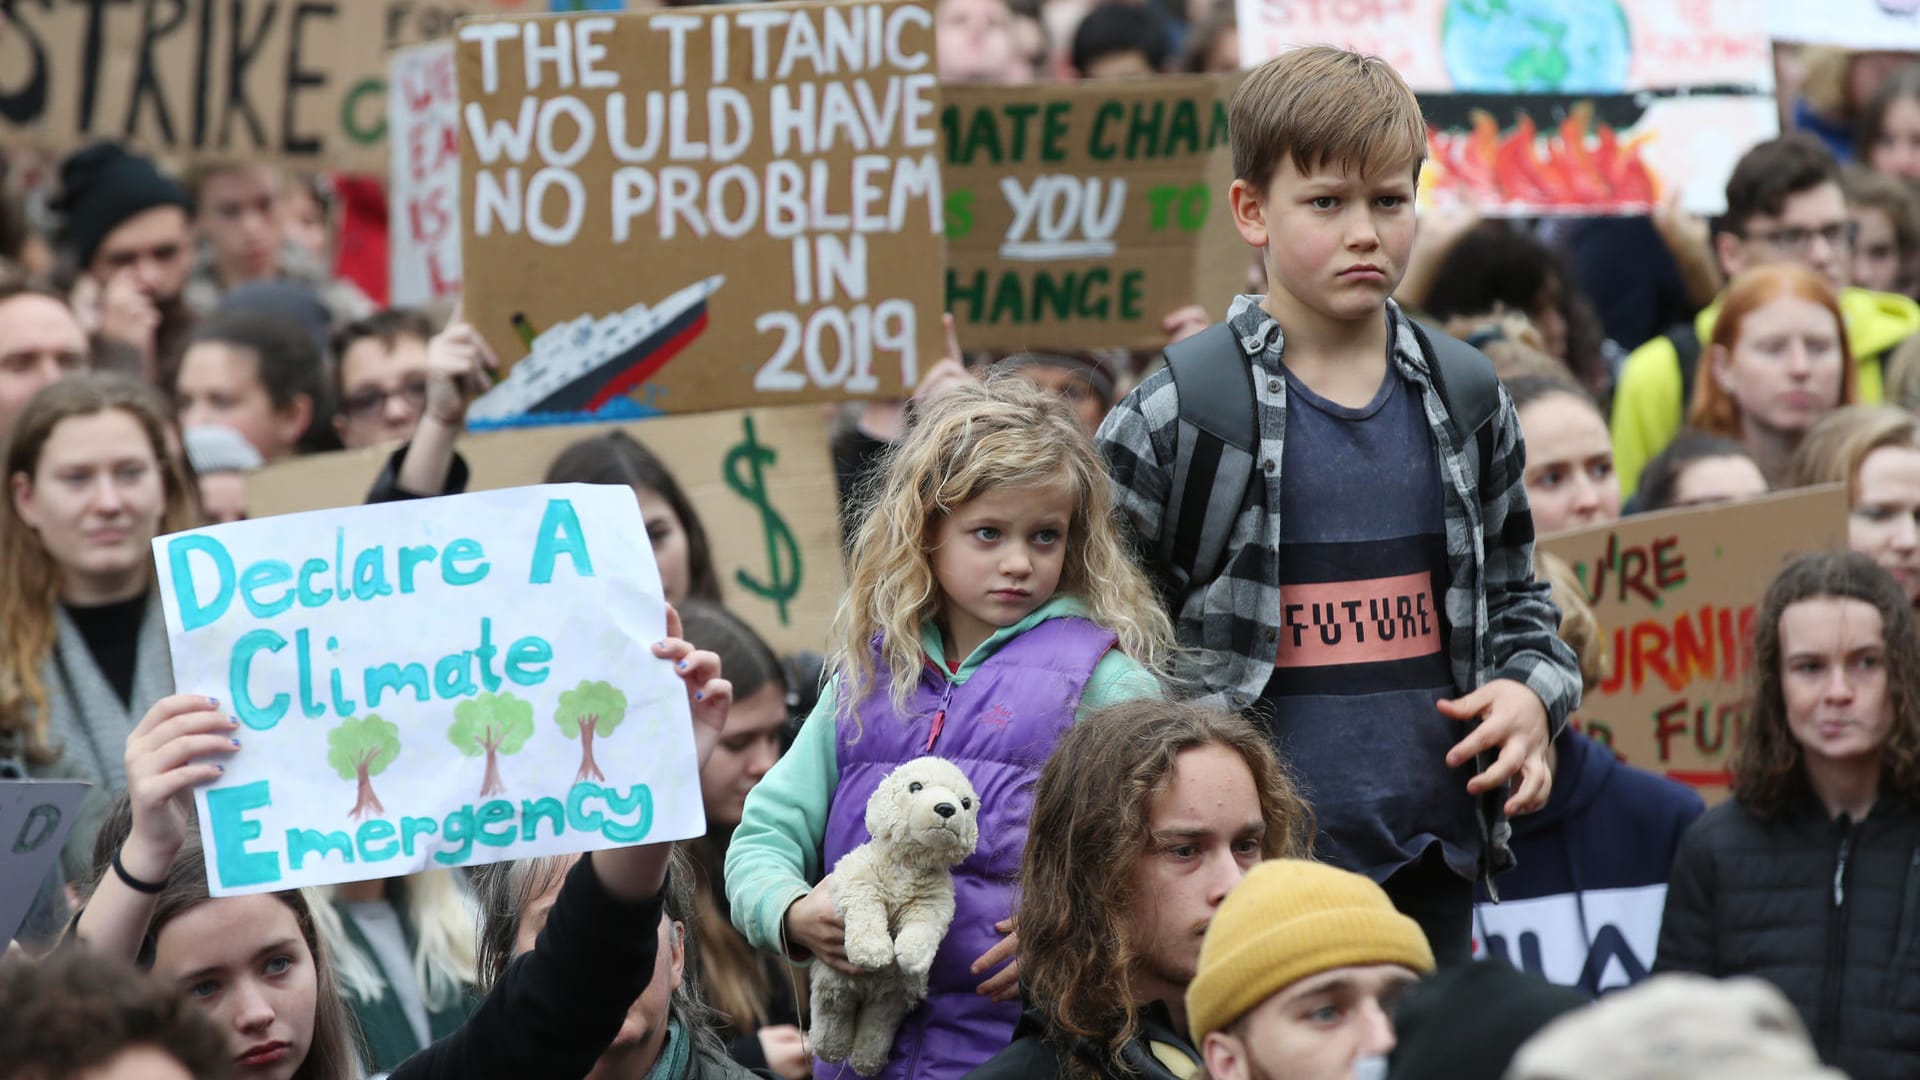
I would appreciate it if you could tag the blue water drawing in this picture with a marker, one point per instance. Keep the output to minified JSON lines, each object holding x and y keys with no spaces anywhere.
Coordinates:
{"x":1536,"y":46}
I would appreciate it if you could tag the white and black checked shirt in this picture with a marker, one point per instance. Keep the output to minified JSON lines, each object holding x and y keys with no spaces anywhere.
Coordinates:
{"x":1502,"y":623}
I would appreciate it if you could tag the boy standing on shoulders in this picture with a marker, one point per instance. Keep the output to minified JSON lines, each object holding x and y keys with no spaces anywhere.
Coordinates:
{"x":1374,"y":596}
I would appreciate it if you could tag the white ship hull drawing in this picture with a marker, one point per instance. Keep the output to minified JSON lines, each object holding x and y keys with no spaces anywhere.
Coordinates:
{"x":583,"y":363}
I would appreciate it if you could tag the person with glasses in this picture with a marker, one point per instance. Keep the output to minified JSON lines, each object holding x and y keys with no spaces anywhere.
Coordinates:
{"x":381,"y":376}
{"x":1785,"y":204}
{"x":400,"y":380}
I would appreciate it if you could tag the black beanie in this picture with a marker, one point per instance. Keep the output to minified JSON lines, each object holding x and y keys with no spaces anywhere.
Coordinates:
{"x":104,"y":185}
{"x":1466,"y":1023}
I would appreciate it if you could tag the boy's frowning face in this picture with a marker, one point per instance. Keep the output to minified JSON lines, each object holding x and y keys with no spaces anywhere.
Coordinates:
{"x":1336,"y":241}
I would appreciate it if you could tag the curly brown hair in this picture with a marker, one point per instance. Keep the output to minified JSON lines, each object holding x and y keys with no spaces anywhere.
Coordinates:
{"x":1090,"y":825}
{"x":1769,"y":771}
{"x":79,"y":1011}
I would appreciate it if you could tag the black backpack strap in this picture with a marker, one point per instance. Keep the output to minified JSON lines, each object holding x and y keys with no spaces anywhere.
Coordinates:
{"x":1467,"y":383}
{"x":1686,"y":347}
{"x":1218,"y":440}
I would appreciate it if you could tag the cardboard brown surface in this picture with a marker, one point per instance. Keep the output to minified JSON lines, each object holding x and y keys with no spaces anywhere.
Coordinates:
{"x":160,"y":75}
{"x":1079,"y":215}
{"x":1675,"y":594}
{"x":701,"y":208}
{"x":768,"y":501}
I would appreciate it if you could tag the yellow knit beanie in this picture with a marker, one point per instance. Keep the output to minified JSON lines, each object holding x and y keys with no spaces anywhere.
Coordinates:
{"x":1289,"y":919}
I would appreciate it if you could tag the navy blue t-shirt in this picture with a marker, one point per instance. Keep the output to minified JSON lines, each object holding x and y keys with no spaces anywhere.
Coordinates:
{"x":1363,"y":639}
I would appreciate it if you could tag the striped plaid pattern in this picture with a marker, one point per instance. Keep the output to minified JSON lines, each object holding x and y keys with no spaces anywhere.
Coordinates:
{"x":1501,"y":621}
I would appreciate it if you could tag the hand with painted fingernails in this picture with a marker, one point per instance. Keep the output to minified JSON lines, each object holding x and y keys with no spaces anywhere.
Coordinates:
{"x":181,"y":743}
{"x":709,"y":695}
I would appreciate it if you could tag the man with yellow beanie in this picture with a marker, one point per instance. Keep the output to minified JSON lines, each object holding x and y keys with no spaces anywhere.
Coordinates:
{"x":1299,"y":971}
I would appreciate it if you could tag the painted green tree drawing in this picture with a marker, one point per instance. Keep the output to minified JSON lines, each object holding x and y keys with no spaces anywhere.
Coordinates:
{"x":360,"y":749}
{"x":592,"y":708}
{"x":491,"y":724}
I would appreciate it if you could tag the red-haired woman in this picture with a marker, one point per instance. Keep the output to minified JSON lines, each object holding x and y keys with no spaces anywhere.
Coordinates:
{"x":1778,"y":362}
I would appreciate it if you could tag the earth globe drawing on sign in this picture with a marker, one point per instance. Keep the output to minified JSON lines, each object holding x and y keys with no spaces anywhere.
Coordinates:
{"x":1536,"y":46}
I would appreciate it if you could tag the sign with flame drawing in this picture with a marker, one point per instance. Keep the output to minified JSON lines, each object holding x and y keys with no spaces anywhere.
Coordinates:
{"x":1558,"y":106}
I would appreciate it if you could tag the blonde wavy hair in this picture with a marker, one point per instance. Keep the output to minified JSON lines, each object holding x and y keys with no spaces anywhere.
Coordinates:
{"x":442,"y":913}
{"x":976,"y":438}
{"x":1579,"y":628}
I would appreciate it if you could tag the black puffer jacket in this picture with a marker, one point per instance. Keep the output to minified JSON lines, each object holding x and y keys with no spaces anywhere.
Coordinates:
{"x":1035,"y":1056}
{"x":1824,"y":909}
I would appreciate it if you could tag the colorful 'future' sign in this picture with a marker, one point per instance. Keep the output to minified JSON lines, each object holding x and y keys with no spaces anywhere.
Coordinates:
{"x":431,"y":684}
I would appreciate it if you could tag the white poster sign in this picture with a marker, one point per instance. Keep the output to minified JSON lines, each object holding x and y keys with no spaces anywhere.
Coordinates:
{"x":1853,"y":24}
{"x":430,"y":684}
{"x":423,"y":122}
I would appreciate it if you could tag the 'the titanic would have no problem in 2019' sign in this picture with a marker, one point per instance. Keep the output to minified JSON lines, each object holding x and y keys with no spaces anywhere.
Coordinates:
{"x":431,"y":684}
{"x":708,"y":208}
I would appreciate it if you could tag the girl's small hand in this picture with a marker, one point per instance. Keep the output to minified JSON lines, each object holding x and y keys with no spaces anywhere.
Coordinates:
{"x":710,"y":695}
{"x":1005,"y":984}
{"x":815,"y":927}
{"x":162,"y":772}
{"x":785,"y":1048}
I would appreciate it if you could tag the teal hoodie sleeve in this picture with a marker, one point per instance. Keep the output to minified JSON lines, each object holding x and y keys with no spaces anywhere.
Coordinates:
{"x":1116,"y":678}
{"x":774,"y":857}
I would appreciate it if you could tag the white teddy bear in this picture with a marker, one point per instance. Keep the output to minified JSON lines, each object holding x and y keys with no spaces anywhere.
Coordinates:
{"x":895,"y":894}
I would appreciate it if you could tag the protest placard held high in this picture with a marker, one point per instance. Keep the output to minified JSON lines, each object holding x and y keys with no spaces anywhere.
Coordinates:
{"x":711,"y":209}
{"x":423,"y":686}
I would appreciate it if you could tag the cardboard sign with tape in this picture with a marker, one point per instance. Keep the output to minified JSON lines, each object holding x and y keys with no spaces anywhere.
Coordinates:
{"x":1079,"y":216}
{"x":1676,"y":594}
{"x":700,"y":209}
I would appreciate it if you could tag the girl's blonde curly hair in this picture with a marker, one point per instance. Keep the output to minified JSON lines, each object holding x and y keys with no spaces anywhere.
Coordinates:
{"x":980,"y":437}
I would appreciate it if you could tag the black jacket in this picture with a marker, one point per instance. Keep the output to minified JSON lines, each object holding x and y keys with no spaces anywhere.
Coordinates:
{"x":1824,"y":909}
{"x":556,"y":1008}
{"x":386,"y":486}
{"x":1034,"y":1056}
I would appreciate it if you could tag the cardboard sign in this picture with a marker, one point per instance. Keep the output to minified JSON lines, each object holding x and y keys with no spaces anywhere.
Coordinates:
{"x":241,"y":80}
{"x":1675,"y":594}
{"x":426,"y":685}
{"x":710,"y":207}
{"x":423,"y":185}
{"x":1558,"y":106}
{"x":35,"y":818}
{"x":762,"y":481}
{"x":1851,"y":24}
{"x":1080,"y":215}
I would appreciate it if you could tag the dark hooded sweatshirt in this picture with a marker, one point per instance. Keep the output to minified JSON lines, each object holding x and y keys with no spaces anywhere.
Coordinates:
{"x":1583,"y":906}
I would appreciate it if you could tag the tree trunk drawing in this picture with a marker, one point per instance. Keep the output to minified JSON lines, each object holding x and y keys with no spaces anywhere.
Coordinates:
{"x":588,"y":768}
{"x":492,"y":785}
{"x":368,"y":803}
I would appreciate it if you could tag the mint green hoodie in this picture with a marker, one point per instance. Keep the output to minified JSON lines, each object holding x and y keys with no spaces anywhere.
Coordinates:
{"x":775,"y":855}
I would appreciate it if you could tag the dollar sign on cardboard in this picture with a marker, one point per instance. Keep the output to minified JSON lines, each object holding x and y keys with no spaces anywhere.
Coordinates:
{"x":744,"y":472}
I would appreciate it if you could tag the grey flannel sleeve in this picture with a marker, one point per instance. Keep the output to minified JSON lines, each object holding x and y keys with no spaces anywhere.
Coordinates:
{"x":1138,"y":440}
{"x":1522,"y":618}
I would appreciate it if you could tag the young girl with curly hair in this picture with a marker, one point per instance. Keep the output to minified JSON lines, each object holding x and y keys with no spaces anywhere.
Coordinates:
{"x":991,"y":603}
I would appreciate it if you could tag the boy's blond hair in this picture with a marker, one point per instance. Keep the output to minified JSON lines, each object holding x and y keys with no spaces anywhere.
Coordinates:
{"x":1320,"y":105}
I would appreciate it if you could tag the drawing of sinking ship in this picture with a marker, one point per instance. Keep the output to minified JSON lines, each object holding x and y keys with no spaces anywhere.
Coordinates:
{"x":580,"y":365}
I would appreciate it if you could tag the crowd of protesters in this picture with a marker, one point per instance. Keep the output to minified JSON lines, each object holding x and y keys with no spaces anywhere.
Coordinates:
{"x":1217,"y":837}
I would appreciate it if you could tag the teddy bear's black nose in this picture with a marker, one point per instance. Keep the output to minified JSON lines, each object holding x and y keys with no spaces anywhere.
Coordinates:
{"x":945,"y":809}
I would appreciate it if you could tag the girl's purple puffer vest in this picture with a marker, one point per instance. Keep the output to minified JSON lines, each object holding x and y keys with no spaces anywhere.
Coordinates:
{"x":998,"y":726}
